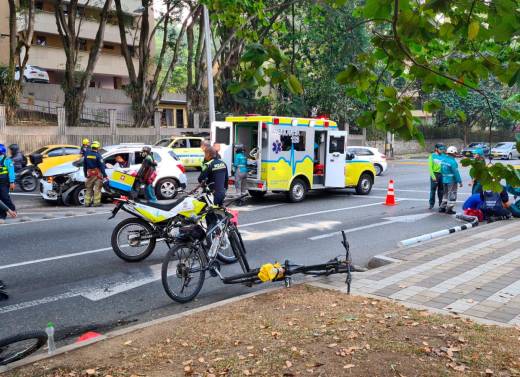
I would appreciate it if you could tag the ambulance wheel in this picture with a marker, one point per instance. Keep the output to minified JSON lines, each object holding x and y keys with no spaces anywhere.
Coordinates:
{"x":364,"y":185}
{"x":257,"y":194}
{"x":297,"y":191}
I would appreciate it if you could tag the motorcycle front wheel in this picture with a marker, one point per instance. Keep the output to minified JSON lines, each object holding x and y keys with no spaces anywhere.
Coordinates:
{"x":132,"y":240}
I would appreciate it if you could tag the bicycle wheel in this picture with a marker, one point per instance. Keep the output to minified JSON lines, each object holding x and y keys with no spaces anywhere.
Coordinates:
{"x":183,"y":272}
{"x":227,"y":254}
{"x":127,"y":240}
{"x":20,"y":346}
{"x":234,"y":238}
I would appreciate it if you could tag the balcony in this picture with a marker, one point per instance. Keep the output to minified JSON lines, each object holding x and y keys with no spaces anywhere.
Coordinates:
{"x":45,"y":22}
{"x":54,"y":59}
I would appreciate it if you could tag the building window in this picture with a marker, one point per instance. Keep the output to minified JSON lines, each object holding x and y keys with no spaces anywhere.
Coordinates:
{"x":179,"y":115}
{"x":41,"y":40}
{"x":92,"y":84}
{"x":83,"y":44}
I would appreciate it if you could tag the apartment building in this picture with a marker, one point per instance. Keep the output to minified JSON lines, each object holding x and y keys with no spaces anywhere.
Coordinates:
{"x":47,"y":49}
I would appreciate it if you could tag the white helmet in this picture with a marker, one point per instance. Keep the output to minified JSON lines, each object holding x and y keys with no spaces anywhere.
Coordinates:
{"x":451,"y":150}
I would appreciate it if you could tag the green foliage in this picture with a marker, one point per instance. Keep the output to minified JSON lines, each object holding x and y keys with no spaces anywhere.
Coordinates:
{"x":491,"y":176}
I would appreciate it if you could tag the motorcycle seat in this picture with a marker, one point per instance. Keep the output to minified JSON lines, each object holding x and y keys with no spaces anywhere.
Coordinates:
{"x":165,"y":206}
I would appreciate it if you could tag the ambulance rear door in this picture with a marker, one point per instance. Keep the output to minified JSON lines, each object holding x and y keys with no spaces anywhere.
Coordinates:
{"x":335,"y":160}
{"x":222,"y":133}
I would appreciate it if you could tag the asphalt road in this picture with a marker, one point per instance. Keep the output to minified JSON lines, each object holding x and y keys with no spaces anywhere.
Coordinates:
{"x":62,"y":269}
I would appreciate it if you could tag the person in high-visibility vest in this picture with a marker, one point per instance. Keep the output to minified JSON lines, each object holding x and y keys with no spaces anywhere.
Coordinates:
{"x":94,"y":170}
{"x":7,"y":182}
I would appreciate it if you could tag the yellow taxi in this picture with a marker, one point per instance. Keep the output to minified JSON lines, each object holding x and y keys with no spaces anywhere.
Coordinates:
{"x":57,"y":154}
{"x":187,"y":148}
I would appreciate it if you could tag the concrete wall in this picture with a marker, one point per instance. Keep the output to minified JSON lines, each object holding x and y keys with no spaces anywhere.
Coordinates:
{"x":33,"y":134}
{"x":4,"y":32}
{"x":413,"y":147}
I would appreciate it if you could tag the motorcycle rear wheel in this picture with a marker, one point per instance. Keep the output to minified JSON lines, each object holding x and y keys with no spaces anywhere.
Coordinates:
{"x":126,"y":241}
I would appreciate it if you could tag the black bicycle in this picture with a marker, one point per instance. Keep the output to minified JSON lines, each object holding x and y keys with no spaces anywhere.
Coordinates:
{"x":19,"y":346}
{"x":184,"y":267}
{"x":196,"y":251}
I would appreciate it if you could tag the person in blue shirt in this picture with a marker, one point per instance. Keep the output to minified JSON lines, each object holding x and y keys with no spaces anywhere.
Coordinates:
{"x":515,"y":207}
{"x":473,"y":202}
{"x":495,"y":204}
{"x":450,"y":180}
{"x":240,"y":166}
{"x":7,"y":181}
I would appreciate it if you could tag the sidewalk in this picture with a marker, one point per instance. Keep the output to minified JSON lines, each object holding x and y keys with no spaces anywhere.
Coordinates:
{"x":474,"y":273}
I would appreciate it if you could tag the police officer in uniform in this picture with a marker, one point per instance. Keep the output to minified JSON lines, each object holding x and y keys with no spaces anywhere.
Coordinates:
{"x":7,"y":181}
{"x":94,"y":170}
{"x":215,"y":173}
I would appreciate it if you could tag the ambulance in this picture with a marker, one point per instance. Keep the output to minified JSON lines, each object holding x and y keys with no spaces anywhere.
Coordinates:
{"x":292,"y":155}
{"x":187,"y":148}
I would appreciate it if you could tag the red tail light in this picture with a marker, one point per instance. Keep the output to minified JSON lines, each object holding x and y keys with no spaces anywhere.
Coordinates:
{"x":276,"y":120}
{"x":181,"y":168}
{"x":260,"y":185}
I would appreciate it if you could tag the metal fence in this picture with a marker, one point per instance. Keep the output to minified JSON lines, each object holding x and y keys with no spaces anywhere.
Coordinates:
{"x":125,"y":119}
{"x":30,"y":115}
{"x":95,"y":118}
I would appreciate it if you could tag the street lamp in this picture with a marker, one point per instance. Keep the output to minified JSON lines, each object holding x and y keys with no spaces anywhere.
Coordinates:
{"x":209,"y":66}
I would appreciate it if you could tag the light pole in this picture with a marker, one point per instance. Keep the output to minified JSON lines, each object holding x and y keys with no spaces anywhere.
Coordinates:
{"x":209,"y":66}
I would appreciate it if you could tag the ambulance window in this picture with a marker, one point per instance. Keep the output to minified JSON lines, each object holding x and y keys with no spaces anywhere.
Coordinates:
{"x":222,"y":136}
{"x":337,"y":144}
{"x":297,"y":140}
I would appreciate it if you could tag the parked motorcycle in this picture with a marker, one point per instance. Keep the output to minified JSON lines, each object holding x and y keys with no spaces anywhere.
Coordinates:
{"x":27,"y":178}
{"x":134,"y":238}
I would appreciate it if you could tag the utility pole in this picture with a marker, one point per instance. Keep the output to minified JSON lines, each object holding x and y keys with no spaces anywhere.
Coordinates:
{"x":209,"y":66}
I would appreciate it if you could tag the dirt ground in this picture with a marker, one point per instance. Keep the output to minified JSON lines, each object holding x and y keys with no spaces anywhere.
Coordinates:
{"x":301,"y":331}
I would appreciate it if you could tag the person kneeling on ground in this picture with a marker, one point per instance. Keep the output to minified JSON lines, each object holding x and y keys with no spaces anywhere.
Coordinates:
{"x":450,"y":179}
{"x":495,"y":205}
{"x":515,"y":207}
{"x":472,"y":207}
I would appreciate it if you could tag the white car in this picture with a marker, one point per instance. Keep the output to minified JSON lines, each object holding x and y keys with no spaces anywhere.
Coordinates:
{"x":66,"y":182}
{"x":32,"y":73}
{"x":370,"y":154}
{"x":505,"y":150}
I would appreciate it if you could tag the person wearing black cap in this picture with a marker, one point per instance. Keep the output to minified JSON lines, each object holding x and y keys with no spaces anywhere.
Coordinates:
{"x":434,"y":163}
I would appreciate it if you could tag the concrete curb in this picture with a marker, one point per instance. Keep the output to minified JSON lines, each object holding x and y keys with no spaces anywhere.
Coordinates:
{"x":139,"y":326}
{"x":381,"y":260}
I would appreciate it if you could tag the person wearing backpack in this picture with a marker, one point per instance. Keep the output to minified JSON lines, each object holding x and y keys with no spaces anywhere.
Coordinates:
{"x":495,"y":204}
{"x":450,"y":180}
{"x":147,"y":173}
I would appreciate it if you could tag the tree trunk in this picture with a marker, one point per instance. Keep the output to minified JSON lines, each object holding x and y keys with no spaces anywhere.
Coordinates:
{"x":73,"y":107}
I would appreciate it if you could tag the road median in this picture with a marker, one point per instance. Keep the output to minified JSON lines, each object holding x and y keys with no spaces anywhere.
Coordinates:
{"x":303,"y":330}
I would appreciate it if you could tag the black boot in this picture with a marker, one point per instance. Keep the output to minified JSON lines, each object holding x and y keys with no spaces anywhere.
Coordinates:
{"x":442,"y":210}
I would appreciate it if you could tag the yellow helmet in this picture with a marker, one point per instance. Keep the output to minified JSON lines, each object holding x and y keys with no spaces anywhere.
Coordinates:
{"x":86,"y":141}
{"x":95,"y":145}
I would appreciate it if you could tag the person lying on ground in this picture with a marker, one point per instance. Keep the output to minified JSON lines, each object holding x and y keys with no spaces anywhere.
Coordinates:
{"x":495,"y":204}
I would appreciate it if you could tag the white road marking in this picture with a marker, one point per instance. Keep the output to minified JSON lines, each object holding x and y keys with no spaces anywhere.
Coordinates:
{"x":300,"y":228}
{"x":54,"y":258}
{"x":54,"y":219}
{"x":100,"y":292}
{"x":308,"y":214}
{"x":390,"y":220}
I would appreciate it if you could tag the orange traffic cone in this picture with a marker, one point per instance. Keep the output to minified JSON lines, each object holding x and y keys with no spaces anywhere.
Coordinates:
{"x":390,"y":195}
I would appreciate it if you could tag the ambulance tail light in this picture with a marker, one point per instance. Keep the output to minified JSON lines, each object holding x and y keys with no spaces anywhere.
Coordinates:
{"x":181,"y":168}
{"x":326,"y":123}
{"x":260,"y":185}
{"x":264,"y":126}
{"x":276,"y":120}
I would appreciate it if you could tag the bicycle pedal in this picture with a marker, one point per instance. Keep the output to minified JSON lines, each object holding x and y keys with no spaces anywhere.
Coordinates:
{"x":214,"y":269}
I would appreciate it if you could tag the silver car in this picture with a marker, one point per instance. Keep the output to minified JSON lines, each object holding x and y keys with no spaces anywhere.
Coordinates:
{"x":505,"y":150}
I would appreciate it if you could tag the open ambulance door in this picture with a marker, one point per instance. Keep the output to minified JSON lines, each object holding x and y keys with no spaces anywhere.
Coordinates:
{"x":335,"y":160}
{"x":222,"y":133}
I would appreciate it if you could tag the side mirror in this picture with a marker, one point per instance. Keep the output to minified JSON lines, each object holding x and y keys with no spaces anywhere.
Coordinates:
{"x":350,"y":156}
